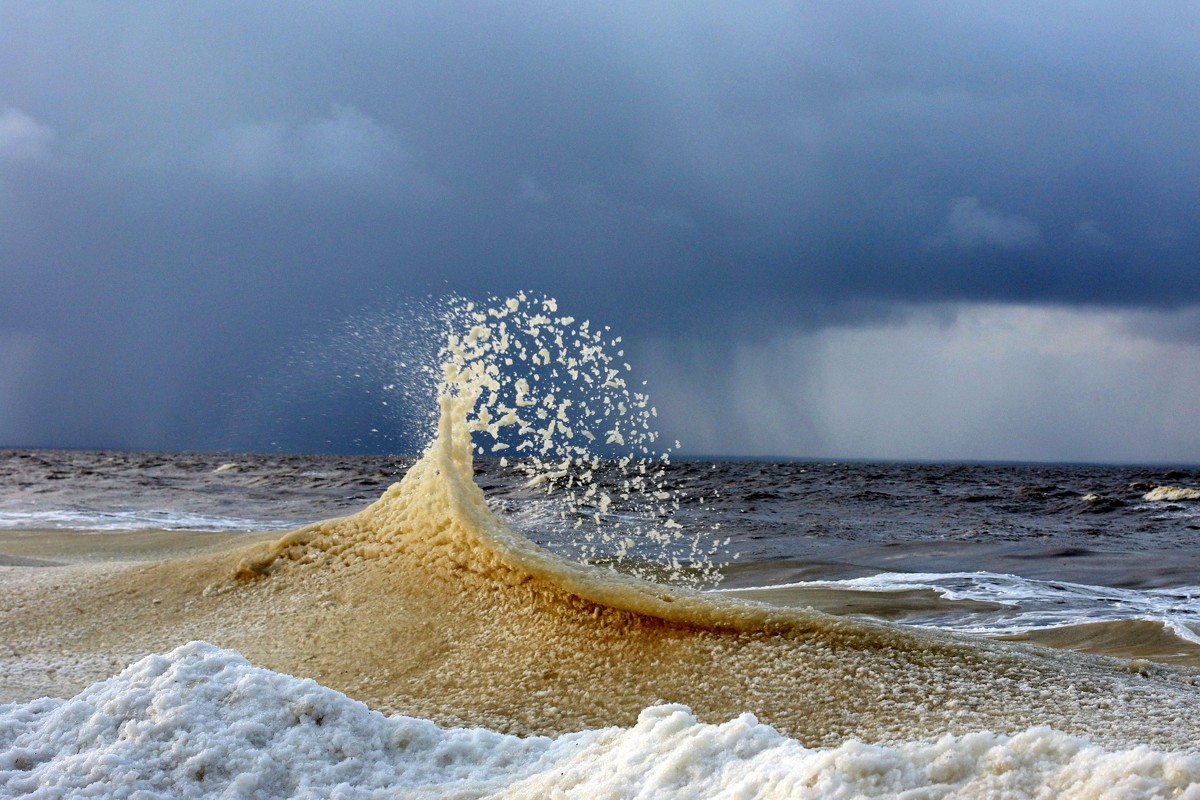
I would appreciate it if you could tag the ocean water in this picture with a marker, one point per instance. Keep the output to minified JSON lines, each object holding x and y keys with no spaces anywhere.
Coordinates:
{"x":522,"y":616}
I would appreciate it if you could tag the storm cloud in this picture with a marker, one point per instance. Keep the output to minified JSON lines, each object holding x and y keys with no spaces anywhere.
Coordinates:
{"x":190,"y":191}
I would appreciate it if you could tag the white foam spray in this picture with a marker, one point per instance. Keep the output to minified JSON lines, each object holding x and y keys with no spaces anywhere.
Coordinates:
{"x":551,"y":395}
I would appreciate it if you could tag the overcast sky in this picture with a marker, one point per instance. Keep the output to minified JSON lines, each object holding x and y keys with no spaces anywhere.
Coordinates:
{"x":907,"y":230}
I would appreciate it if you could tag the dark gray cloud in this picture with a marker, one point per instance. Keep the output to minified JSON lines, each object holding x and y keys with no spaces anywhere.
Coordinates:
{"x":188,"y":190}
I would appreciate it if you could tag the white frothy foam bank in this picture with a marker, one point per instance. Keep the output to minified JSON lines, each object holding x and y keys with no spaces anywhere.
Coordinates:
{"x":203,"y":722}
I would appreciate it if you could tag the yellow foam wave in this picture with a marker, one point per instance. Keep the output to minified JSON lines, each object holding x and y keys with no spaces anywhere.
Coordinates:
{"x":425,"y":603}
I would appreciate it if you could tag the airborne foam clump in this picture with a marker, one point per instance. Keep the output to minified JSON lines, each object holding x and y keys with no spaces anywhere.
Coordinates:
{"x":1171,"y":494}
{"x":203,"y":722}
{"x":552,"y":395}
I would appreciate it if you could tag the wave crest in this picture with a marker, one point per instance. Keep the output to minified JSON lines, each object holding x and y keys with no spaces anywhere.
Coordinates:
{"x":1173,"y":494}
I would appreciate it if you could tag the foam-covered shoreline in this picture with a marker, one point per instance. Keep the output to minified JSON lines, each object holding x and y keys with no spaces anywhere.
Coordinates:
{"x":426,"y":604}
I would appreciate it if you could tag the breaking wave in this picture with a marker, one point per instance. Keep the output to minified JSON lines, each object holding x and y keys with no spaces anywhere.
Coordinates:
{"x":517,"y":672}
{"x":1172,"y":494}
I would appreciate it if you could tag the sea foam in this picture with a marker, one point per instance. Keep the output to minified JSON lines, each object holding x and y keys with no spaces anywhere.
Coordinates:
{"x":556,"y":395}
{"x":1171,"y":494}
{"x":426,"y":602}
{"x":203,"y":722}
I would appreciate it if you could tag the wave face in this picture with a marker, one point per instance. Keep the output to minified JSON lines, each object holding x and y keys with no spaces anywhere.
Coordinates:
{"x":200,"y":721}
